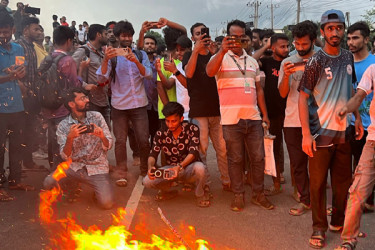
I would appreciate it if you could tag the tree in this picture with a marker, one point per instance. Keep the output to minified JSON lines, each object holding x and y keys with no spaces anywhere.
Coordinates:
{"x":157,"y":35}
{"x":370,"y":16}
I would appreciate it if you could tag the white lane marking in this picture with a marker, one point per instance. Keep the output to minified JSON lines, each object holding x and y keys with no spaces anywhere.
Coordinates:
{"x":132,"y":204}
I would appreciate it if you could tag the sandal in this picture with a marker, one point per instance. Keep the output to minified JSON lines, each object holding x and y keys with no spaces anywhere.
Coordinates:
{"x":187,"y":187}
{"x":330,"y":211}
{"x":203,"y":201}
{"x":21,"y":186}
{"x":163,"y":196}
{"x":346,"y":246}
{"x":122,"y":182}
{"x":300,"y":210}
{"x":4,"y":196}
{"x":362,"y":235}
{"x":271,"y":190}
{"x":317,"y":240}
{"x":207,"y":192}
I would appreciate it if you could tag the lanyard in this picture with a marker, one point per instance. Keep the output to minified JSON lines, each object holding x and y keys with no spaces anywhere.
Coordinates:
{"x":95,"y":50}
{"x":60,"y":51}
{"x":243,"y":71}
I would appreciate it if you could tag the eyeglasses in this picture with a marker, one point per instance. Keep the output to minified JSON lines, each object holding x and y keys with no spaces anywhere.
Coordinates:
{"x":83,"y":98}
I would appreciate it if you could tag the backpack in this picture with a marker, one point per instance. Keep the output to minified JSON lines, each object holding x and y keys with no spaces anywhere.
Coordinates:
{"x":112,"y":75}
{"x":50,"y":83}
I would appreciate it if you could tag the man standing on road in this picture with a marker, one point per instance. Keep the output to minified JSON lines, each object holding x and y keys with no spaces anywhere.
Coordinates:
{"x":202,"y":90}
{"x":358,"y":38}
{"x":180,"y":142}
{"x":240,"y":94}
{"x":291,"y":71}
{"x":325,"y":87}
{"x":84,"y":138}
{"x":129,"y":99}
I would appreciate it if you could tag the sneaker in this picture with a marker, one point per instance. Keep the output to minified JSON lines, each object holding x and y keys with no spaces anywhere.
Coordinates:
{"x":262,"y":201}
{"x":136,"y":161}
{"x":271,"y":190}
{"x":238,"y":203}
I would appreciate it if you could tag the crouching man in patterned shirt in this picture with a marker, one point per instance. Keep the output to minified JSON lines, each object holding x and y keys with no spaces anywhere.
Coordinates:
{"x":180,"y":144}
{"x":84,"y":138}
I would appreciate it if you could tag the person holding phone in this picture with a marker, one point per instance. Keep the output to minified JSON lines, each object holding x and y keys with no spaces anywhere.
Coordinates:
{"x":290,"y":74}
{"x":84,"y":137}
{"x":241,"y":97}
{"x":202,"y":90}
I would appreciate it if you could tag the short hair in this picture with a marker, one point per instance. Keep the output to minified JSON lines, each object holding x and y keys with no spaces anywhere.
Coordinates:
{"x":54,"y":17}
{"x":266,"y":33}
{"x":93,"y":30}
{"x":84,"y":22}
{"x":41,"y":27}
{"x":249,"y":33}
{"x":151,"y":37}
{"x":173,"y":108}
{"x":305,"y":28}
{"x":6,"y":20}
{"x":184,"y":42}
{"x":107,"y":26}
{"x":362,"y":26}
{"x":278,"y":36}
{"x":123,"y":27}
{"x":219,"y":39}
{"x":160,"y":48}
{"x":69,"y":95}
{"x":236,"y":23}
{"x":27,"y":21}
{"x":258,"y":31}
{"x":48,"y":37}
{"x":194,"y":26}
{"x":170,"y":37}
{"x":61,"y":34}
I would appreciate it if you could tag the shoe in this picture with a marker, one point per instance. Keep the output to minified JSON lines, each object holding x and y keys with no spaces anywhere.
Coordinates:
{"x":136,"y":161}
{"x":262,"y":201}
{"x":300,"y":210}
{"x":271,"y":190}
{"x":282,"y":179}
{"x":238,"y":203}
{"x":335,"y":229}
{"x":296,"y":195}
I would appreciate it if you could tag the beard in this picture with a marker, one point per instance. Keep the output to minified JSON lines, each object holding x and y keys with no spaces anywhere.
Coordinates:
{"x":333,"y":43}
{"x":305,"y":52}
{"x":83,"y":109}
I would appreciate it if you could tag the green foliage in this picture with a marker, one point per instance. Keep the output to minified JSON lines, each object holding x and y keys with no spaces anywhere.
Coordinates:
{"x":157,"y":35}
{"x":369,"y":16}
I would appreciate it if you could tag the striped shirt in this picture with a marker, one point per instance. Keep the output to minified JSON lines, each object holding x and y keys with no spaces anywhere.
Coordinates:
{"x":235,"y":102}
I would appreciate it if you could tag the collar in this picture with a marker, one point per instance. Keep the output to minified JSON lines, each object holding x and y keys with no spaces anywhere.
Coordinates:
{"x":170,"y":133}
{"x":60,"y":51}
{"x":71,"y":120}
{"x":26,"y":41}
{"x":5,"y":51}
{"x":244,"y":54}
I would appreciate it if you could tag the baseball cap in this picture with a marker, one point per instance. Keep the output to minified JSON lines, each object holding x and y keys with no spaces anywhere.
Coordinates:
{"x":184,"y":42}
{"x":332,"y":16}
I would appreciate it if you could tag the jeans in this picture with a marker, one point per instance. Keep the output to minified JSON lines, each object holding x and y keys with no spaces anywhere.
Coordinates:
{"x":54,"y":157}
{"x":105,"y":111}
{"x":235,"y":136}
{"x":298,"y":162}
{"x":211,"y":127}
{"x":29,"y":141}
{"x":153,"y":123}
{"x":100,"y":183}
{"x":11,"y":126}
{"x":195,"y":173}
{"x":337,"y":159}
{"x":276,"y":128}
{"x":133,"y":143}
{"x":360,"y":190}
{"x":120,"y":119}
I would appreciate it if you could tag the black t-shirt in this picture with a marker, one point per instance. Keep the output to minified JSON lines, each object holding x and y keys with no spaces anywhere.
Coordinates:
{"x":202,"y":89}
{"x":55,"y":24}
{"x":274,"y":102}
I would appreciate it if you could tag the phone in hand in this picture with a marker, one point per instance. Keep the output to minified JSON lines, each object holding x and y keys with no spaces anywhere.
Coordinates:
{"x":205,"y":31}
{"x":89,"y":128}
{"x":300,"y":66}
{"x":154,"y":25}
{"x":122,"y":51}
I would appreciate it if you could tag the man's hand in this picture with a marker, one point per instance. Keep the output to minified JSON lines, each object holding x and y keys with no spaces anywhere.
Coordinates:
{"x":308,"y":145}
{"x":359,"y":130}
{"x":228,"y":44}
{"x":201,"y":44}
{"x":131,"y":57}
{"x":90,"y":86}
{"x":16,"y":72}
{"x":146,"y":26}
{"x":212,"y":47}
{"x":342,"y":113}
{"x":151,"y":173}
{"x":267,"y":121}
{"x":170,"y":66}
{"x":110,"y":52}
{"x":75,"y":131}
{"x":289,"y":69}
{"x":158,"y":65}
{"x":176,"y":170}
{"x":98,"y":131}
{"x":85,"y":63}
{"x":162,"y":22}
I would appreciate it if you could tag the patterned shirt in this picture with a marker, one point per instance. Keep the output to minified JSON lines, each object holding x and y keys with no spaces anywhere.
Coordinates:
{"x":88,"y":150}
{"x":328,"y":82}
{"x":176,"y":150}
{"x":31,"y":62}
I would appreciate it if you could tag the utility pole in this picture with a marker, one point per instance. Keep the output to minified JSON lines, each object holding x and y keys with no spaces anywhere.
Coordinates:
{"x":256,"y":16}
{"x":298,"y":10}
{"x":271,"y":7}
{"x":347,"y":15}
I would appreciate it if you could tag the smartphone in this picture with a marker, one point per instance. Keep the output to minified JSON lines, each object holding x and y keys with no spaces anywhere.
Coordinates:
{"x":89,"y":128}
{"x":154,"y":25}
{"x":205,"y":31}
{"x":32,"y":10}
{"x":122,"y":51}
{"x":300,"y":66}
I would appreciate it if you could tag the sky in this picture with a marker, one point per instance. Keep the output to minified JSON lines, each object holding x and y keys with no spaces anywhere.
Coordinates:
{"x":214,"y":13}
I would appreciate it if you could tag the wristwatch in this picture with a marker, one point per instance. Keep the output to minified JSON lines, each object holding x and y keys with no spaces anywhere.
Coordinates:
{"x":177,"y":73}
{"x":181,"y":167}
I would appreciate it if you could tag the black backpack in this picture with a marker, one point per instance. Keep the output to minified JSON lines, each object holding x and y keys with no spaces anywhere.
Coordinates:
{"x":112,"y":75}
{"x":50,"y":83}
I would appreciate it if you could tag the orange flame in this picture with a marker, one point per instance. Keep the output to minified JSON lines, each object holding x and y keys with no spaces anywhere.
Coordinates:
{"x":71,"y":235}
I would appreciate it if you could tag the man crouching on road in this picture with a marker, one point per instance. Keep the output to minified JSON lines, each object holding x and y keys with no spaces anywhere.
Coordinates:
{"x":180,"y":143}
{"x":84,"y":138}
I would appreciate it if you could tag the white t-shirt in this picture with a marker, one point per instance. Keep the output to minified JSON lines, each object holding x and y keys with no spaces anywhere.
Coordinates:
{"x":182,"y":93}
{"x":81,"y":35}
{"x":291,"y":110}
{"x":367,"y":84}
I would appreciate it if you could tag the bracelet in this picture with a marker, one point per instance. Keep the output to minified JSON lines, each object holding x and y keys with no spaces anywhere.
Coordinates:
{"x":181,"y":167}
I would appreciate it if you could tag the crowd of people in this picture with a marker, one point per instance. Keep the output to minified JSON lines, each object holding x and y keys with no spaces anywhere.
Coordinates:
{"x":172,"y":101}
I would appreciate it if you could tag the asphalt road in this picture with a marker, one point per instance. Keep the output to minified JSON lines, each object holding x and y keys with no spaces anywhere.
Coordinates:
{"x":253,"y":228}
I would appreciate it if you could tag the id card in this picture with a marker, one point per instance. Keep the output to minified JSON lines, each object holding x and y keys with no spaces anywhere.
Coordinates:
{"x":247,"y":85}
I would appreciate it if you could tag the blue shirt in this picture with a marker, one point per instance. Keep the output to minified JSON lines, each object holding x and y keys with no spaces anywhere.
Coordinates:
{"x":128,"y":91}
{"x":364,"y":108}
{"x":10,"y":92}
